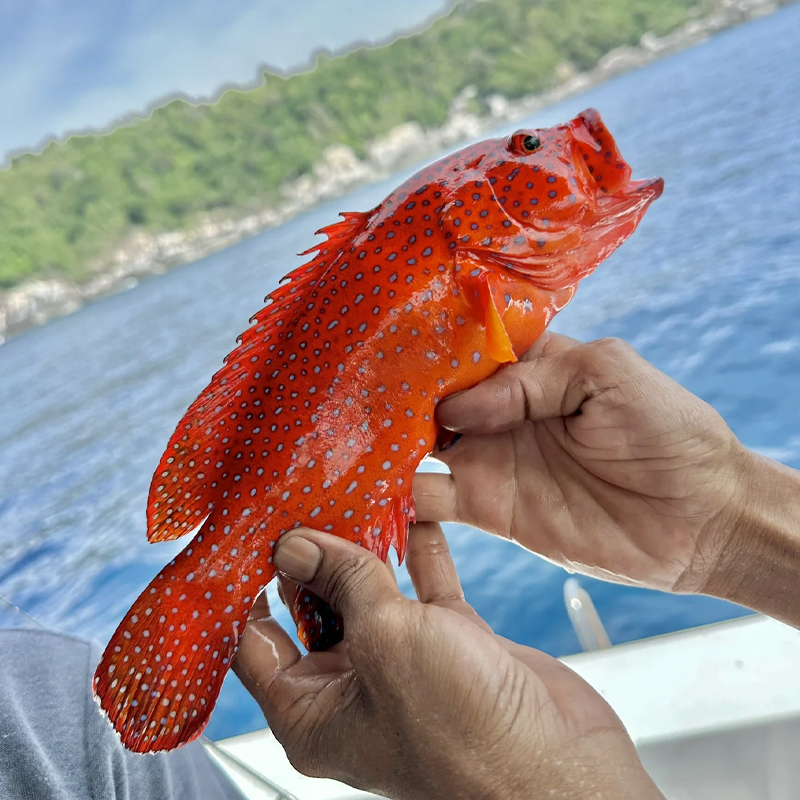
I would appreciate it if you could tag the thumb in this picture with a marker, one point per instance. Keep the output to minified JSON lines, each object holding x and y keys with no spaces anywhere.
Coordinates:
{"x":548,"y":386}
{"x":348,"y":577}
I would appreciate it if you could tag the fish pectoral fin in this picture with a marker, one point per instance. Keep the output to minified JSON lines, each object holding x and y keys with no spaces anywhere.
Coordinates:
{"x":497,"y":339}
{"x":475,"y":281}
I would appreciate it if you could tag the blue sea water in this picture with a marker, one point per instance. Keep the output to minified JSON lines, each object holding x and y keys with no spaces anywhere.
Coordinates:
{"x":708,"y":289}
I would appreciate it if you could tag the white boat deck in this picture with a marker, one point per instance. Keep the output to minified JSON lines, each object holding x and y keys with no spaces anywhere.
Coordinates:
{"x":714,"y":711}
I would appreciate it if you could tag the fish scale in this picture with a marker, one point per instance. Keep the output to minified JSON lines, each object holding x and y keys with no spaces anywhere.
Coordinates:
{"x":326,"y":407}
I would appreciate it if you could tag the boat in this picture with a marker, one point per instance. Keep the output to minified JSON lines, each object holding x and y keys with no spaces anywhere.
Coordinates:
{"x":714,"y":712}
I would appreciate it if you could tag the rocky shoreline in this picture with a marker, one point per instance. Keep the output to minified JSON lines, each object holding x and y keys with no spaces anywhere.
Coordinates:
{"x":142,"y":254}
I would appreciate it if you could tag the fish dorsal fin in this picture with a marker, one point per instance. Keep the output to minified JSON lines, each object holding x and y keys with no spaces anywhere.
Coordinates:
{"x":185,"y":486}
{"x":292,"y":287}
{"x":475,"y":281}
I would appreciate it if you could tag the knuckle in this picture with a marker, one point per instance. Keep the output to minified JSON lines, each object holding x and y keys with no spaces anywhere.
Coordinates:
{"x":349,"y":577}
{"x":526,"y":389}
{"x":389,"y":618}
{"x":380,"y":622}
{"x":428,"y":540}
{"x":515,"y":394}
{"x":436,"y":496}
{"x":451,"y":502}
{"x":601,"y":365}
{"x":612,"y":347}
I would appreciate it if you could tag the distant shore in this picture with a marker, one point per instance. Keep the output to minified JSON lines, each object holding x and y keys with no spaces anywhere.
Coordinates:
{"x":339,"y":171}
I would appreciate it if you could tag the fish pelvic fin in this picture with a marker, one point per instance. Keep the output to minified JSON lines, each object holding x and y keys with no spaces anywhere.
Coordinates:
{"x":162,"y":671}
{"x":186,"y":485}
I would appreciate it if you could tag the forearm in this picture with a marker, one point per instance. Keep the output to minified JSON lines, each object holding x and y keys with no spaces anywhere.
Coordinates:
{"x":759,"y":567}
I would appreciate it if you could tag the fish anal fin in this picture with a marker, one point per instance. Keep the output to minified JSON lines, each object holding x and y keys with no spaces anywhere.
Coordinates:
{"x":476,"y":282}
{"x":162,"y":671}
{"x":392,"y":529}
{"x":403,"y":514}
{"x":318,"y":627}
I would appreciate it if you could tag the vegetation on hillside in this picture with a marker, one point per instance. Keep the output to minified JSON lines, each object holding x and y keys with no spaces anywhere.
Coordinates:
{"x":63,"y":209}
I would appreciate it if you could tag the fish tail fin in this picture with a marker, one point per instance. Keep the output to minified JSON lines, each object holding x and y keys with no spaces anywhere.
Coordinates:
{"x":162,"y":671}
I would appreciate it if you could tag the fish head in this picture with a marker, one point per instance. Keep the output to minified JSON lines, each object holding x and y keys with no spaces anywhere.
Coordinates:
{"x":554,"y":202}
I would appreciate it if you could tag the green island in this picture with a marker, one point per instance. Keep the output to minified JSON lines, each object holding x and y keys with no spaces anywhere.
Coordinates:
{"x":64,"y":210}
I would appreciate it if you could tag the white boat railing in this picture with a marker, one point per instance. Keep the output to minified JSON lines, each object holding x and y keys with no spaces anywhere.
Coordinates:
{"x":714,"y":711}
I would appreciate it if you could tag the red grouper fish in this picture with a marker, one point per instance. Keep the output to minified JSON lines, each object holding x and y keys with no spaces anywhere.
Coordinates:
{"x":323,"y":411}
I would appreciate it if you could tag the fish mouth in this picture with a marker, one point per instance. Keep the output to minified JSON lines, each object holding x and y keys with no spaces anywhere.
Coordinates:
{"x":630,"y":200}
{"x":604,"y":176}
{"x":601,"y":171}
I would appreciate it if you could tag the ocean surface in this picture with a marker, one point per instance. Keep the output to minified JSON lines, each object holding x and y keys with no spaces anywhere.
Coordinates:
{"x":708,"y":289}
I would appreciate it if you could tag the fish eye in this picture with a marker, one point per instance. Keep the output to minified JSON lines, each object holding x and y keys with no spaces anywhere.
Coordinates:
{"x":531,"y":143}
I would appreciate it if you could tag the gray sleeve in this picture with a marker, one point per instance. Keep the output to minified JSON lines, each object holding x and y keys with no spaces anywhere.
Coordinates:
{"x":55,"y":743}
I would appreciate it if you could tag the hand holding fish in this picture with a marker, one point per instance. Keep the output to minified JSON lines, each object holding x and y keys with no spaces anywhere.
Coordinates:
{"x":596,"y":460}
{"x":422,"y":699}
{"x":322,"y":413}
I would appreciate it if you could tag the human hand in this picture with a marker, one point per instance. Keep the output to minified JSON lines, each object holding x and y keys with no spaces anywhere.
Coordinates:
{"x":421,"y":699}
{"x":591,"y":457}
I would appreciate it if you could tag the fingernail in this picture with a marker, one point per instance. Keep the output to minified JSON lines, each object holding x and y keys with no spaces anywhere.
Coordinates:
{"x":298,"y":558}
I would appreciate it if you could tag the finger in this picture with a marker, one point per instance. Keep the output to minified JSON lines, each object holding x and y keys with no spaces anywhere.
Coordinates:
{"x":525,"y":390}
{"x":264,"y":651}
{"x":390,"y":567}
{"x":433,"y":572}
{"x":554,"y":384}
{"x":430,"y":565}
{"x":435,"y":497}
{"x":481,"y":472}
{"x":287,"y":589}
{"x":281,"y":593}
{"x":348,"y":577}
{"x":550,"y":344}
